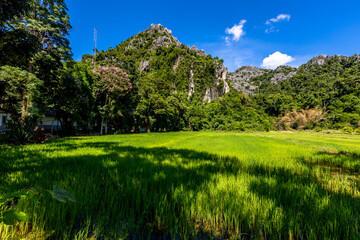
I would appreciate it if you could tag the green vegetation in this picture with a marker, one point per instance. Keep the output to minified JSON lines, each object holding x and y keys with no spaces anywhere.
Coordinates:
{"x":333,"y":87}
{"x":188,"y":185}
{"x":191,"y":185}
{"x":168,"y":87}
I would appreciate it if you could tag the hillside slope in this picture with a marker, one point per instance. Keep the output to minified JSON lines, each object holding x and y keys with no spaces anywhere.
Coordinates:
{"x":157,"y":54}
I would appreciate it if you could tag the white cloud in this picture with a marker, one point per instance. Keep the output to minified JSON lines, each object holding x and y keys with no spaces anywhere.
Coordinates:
{"x":237,"y":31}
{"x":276,"y":59}
{"x":279,"y":18}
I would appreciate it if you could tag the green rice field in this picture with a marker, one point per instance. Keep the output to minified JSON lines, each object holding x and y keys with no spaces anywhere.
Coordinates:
{"x":188,"y":185}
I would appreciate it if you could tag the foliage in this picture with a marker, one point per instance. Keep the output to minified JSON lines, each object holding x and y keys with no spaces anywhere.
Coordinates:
{"x":153,"y":81}
{"x":347,"y":129}
{"x":75,"y":98}
{"x":21,"y":130}
{"x":333,"y":87}
{"x":111,"y":84}
{"x":112,"y":80}
{"x":304,"y":119}
{"x":18,"y":89}
{"x":235,"y":111}
{"x":34,"y":37}
{"x":12,"y":9}
{"x":10,"y":215}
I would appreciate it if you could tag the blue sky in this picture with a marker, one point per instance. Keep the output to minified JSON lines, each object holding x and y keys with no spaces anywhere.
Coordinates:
{"x":259,"y":33}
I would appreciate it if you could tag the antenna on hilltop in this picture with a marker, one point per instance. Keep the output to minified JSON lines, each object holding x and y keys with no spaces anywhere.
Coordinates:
{"x":95,"y":40}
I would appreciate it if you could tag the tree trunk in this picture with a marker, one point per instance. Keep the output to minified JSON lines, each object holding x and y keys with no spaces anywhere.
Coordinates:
{"x":24,"y":108}
{"x":101,"y":126}
{"x":148,"y":123}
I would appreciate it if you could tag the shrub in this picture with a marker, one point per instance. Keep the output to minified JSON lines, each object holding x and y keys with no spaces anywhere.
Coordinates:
{"x":305,"y":118}
{"x":357,"y":130}
{"x":347,"y":129}
{"x":20,"y":131}
{"x":318,"y":129}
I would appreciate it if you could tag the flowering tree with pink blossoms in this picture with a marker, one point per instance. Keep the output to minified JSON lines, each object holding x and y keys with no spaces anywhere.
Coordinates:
{"x":112,"y":83}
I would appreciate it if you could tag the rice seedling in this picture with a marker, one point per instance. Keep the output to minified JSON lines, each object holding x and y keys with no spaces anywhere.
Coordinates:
{"x":188,"y":185}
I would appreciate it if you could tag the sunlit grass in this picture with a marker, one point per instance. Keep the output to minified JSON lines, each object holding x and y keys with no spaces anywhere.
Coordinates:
{"x":189,"y":185}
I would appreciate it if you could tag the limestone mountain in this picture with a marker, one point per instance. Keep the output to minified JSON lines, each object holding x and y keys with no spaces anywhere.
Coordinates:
{"x":155,"y":53}
{"x":247,"y":78}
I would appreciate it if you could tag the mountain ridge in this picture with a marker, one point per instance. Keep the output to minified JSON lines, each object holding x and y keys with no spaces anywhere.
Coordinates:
{"x":242,"y":78}
{"x":155,"y":51}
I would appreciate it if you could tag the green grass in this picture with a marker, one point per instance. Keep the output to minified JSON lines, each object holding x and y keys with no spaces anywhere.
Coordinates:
{"x":189,"y":185}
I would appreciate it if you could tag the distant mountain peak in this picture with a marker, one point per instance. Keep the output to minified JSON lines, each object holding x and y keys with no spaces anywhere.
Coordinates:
{"x":159,"y":27}
{"x":242,"y":78}
{"x":154,"y":37}
{"x":321,"y":59}
{"x":157,"y":49}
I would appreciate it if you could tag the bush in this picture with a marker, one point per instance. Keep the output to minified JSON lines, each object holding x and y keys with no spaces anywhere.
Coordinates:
{"x":20,"y":131}
{"x":304,"y":119}
{"x":357,"y":130}
{"x":347,"y":129}
{"x":318,"y":129}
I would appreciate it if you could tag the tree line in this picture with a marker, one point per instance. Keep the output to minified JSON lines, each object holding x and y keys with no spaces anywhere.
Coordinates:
{"x":37,"y":73}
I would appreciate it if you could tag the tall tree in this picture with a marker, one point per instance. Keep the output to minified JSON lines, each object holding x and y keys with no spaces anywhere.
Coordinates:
{"x":46,"y":24}
{"x":17,"y":90}
{"x":74,"y":96}
{"x":112,"y":83}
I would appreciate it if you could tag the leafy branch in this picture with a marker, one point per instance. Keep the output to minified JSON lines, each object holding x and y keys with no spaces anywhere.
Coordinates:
{"x":7,"y":203}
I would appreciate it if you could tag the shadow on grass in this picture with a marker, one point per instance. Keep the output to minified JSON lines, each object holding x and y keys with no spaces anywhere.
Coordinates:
{"x":137,"y":193}
{"x":346,"y":163}
{"x":313,"y":208}
{"x":141,"y":192}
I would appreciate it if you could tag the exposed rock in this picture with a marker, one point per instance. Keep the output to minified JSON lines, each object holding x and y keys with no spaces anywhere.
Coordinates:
{"x":161,"y":37}
{"x":197,"y":51}
{"x":357,"y":58}
{"x":176,"y":64}
{"x":144,"y":66}
{"x":282,"y":73}
{"x":201,"y":53}
{"x":161,"y":41}
{"x":158,"y":28}
{"x":219,"y":87}
{"x":241,"y":78}
{"x":191,"y":83}
{"x":221,"y":75}
{"x":321,"y":59}
{"x":189,"y":60}
{"x":208,"y":95}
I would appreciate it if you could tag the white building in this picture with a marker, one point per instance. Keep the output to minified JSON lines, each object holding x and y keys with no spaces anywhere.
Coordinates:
{"x":4,"y":116}
{"x":48,"y":122}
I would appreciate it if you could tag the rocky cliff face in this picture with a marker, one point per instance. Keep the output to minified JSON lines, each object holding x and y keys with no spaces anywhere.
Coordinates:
{"x":220,"y":86}
{"x":241,"y":78}
{"x":156,"y":51}
{"x":154,"y":37}
{"x":248,"y":78}
{"x":282,"y":73}
{"x":321,"y":59}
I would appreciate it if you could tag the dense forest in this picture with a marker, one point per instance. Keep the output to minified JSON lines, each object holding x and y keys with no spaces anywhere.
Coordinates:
{"x":152,"y":82}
